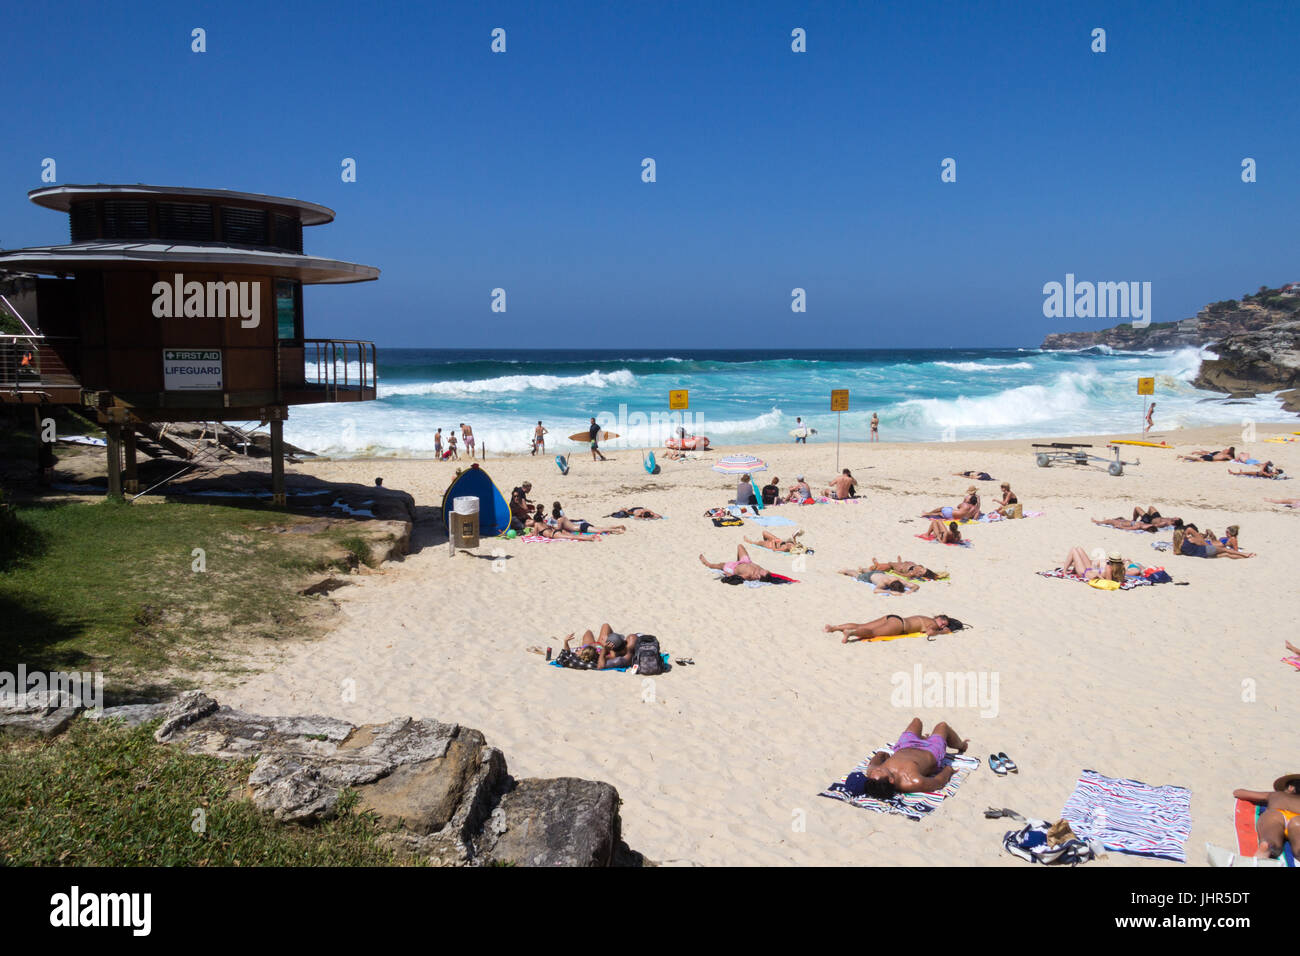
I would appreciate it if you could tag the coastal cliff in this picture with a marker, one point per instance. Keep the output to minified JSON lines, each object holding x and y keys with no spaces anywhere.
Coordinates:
{"x":1256,"y":339}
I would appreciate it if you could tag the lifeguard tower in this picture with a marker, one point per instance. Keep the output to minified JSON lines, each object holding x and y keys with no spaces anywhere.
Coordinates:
{"x":172,"y":304}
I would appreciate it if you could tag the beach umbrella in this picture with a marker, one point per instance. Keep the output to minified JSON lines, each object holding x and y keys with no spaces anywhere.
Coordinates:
{"x":739,"y":464}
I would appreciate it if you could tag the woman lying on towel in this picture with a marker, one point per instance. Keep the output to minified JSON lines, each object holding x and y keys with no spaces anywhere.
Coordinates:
{"x":1280,"y":822}
{"x":977,"y":475}
{"x":774,"y":543}
{"x":908,"y":569}
{"x":1265,"y":470}
{"x":915,"y":766}
{"x":558,"y":521}
{"x":1151,"y":521}
{"x":743,"y":567}
{"x":891,"y":625}
{"x":635,"y":511}
{"x":1193,"y":544}
{"x":608,"y":650}
{"x":1228,"y":454}
{"x":1112,"y":569}
{"x":947,"y":533}
{"x":882,"y":581}
{"x":969,"y":508}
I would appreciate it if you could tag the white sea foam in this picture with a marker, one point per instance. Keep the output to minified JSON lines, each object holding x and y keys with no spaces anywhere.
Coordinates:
{"x":621,"y":378}
{"x":981,"y":367}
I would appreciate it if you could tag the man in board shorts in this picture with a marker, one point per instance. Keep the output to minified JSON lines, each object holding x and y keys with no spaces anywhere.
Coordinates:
{"x":594,"y":432}
{"x":916,"y":765}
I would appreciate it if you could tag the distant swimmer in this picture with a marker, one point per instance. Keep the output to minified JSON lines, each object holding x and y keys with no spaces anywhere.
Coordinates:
{"x":875,"y":427}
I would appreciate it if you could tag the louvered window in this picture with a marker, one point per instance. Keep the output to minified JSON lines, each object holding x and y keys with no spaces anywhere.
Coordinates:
{"x":288,"y":233}
{"x":126,"y":220}
{"x":185,"y":221}
{"x":84,"y":218}
{"x":245,"y":227}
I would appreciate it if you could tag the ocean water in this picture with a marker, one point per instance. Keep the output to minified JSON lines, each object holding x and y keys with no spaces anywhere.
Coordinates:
{"x":753,"y":396}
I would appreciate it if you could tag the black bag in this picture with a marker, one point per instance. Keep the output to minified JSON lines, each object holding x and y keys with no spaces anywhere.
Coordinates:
{"x":649,"y":660}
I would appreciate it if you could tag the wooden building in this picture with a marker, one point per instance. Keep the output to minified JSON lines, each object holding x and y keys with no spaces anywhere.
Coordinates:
{"x":172,"y":304}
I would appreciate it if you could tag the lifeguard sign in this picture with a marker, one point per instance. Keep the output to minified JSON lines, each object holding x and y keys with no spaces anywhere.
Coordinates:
{"x":1146,"y":386}
{"x":679,"y":400}
{"x":839,"y":399}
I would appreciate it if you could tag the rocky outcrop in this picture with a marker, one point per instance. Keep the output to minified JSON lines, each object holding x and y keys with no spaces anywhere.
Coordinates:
{"x":1207,"y":326}
{"x":37,"y":713}
{"x":1267,"y":360}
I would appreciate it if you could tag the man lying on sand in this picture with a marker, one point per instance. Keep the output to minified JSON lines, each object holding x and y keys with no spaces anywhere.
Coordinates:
{"x":635,"y":511}
{"x":1265,"y":470}
{"x":743,"y":567}
{"x":1193,"y":544}
{"x":1227,"y":454}
{"x":608,"y":650}
{"x":843,"y":486}
{"x":1150,"y":520}
{"x":892,"y":625}
{"x":1278,"y":824}
{"x":884,"y":583}
{"x":908,"y":569}
{"x":774,"y":543}
{"x":977,"y":475}
{"x":915,"y":766}
{"x":969,"y":508}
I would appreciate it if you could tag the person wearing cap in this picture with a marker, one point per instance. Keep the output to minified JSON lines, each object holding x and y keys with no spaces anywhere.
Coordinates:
{"x":968,"y":509}
{"x":1278,"y":824}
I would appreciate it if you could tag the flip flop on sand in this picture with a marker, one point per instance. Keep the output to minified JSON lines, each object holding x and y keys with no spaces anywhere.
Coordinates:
{"x":684,"y":660}
{"x":993,"y":813}
{"x":995,"y":764}
{"x":1008,"y":762}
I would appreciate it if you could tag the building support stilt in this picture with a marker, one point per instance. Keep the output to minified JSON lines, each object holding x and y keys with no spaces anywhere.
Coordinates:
{"x":131,"y":481}
{"x":113,"y":432}
{"x":277,"y":462}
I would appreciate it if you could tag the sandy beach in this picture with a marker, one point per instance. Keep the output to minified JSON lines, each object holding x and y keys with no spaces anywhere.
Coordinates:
{"x":722,"y":762}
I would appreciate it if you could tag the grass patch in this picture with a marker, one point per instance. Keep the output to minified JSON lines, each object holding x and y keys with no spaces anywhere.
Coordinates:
{"x":121,"y":588}
{"x":106,"y":795}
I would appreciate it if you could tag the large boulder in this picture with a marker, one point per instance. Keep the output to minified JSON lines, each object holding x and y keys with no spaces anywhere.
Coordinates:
{"x":560,"y":822}
{"x":37,"y":713}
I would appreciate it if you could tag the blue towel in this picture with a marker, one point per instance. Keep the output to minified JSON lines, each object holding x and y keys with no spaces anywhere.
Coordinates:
{"x":773,"y":521}
{"x":607,"y":670}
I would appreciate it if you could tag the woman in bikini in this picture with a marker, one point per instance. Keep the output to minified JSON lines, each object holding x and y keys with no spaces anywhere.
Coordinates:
{"x":1078,"y":563}
{"x":1227,"y":454}
{"x":540,"y":528}
{"x":1008,"y":499}
{"x":947,"y":533}
{"x":635,"y":511}
{"x":1278,"y":824}
{"x":892,"y":625}
{"x":908,"y":569}
{"x":774,"y":543}
{"x":882,"y":581}
{"x":576,"y":525}
{"x":1265,"y":470}
{"x":743,"y":567}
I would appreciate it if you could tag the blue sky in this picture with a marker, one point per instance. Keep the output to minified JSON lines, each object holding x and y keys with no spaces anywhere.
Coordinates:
{"x":775,"y":170}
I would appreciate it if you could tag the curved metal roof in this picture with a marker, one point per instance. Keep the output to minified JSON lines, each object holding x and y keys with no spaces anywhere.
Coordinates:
{"x":107,"y":254}
{"x":61,"y":198}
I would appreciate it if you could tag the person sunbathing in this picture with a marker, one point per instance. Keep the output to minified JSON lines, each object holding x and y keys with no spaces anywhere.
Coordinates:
{"x":774,"y":543}
{"x":1265,"y":470}
{"x":799,"y":491}
{"x":1152,"y":517}
{"x":607,"y":650}
{"x":908,"y":569}
{"x":1229,"y":540}
{"x":575,"y":525}
{"x":1193,"y":544}
{"x":843,"y":487}
{"x":1287,"y":502}
{"x":892,"y":625}
{"x":1078,"y":563}
{"x":540,"y":528}
{"x":1137,"y":524}
{"x":635,"y":511}
{"x":743,"y":567}
{"x":948,"y":533}
{"x":1278,"y":824}
{"x":916,"y":765}
{"x":882,"y":581}
{"x":977,"y":475}
{"x":968,"y":508}
{"x":1227,"y":454}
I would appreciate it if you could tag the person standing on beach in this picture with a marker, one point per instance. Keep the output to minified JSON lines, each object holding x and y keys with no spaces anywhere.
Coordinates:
{"x":800,"y":431}
{"x":1151,"y":410}
{"x":467,"y":434}
{"x":539,"y":438}
{"x":451,"y":446}
{"x":875,"y":427}
{"x":594,"y":432}
{"x":437,"y":444}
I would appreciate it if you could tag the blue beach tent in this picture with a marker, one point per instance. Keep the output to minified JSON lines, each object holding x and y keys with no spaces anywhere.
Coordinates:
{"x":493,"y":512}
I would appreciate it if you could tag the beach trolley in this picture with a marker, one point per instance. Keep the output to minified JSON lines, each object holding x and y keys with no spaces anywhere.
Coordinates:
{"x":174,"y":304}
{"x":1074,"y":454}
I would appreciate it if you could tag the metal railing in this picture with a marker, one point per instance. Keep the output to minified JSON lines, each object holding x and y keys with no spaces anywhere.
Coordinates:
{"x":339,"y":365}
{"x":29,"y":362}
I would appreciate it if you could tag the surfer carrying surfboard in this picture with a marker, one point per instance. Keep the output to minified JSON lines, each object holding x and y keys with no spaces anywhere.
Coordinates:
{"x":594,"y":432}
{"x":800,"y":431}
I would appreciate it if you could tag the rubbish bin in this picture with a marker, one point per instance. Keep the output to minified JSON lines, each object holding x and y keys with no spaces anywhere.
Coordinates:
{"x":463,"y":530}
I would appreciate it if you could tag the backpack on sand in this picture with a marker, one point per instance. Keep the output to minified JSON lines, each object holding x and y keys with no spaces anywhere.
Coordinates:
{"x":649,"y":660}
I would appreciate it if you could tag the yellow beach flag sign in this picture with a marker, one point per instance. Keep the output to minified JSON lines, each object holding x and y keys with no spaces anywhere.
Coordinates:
{"x":679,"y":400}
{"x":839,"y":399}
{"x":1146,"y":386}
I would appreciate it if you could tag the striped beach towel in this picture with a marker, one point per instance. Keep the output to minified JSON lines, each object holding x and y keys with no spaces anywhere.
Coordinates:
{"x":1128,"y":816}
{"x":1128,"y":585}
{"x":914,"y":806}
{"x":538,"y":539}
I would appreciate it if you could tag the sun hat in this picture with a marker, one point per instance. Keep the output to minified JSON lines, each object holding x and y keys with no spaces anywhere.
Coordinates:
{"x":1281,"y":782}
{"x":1114,"y":556}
